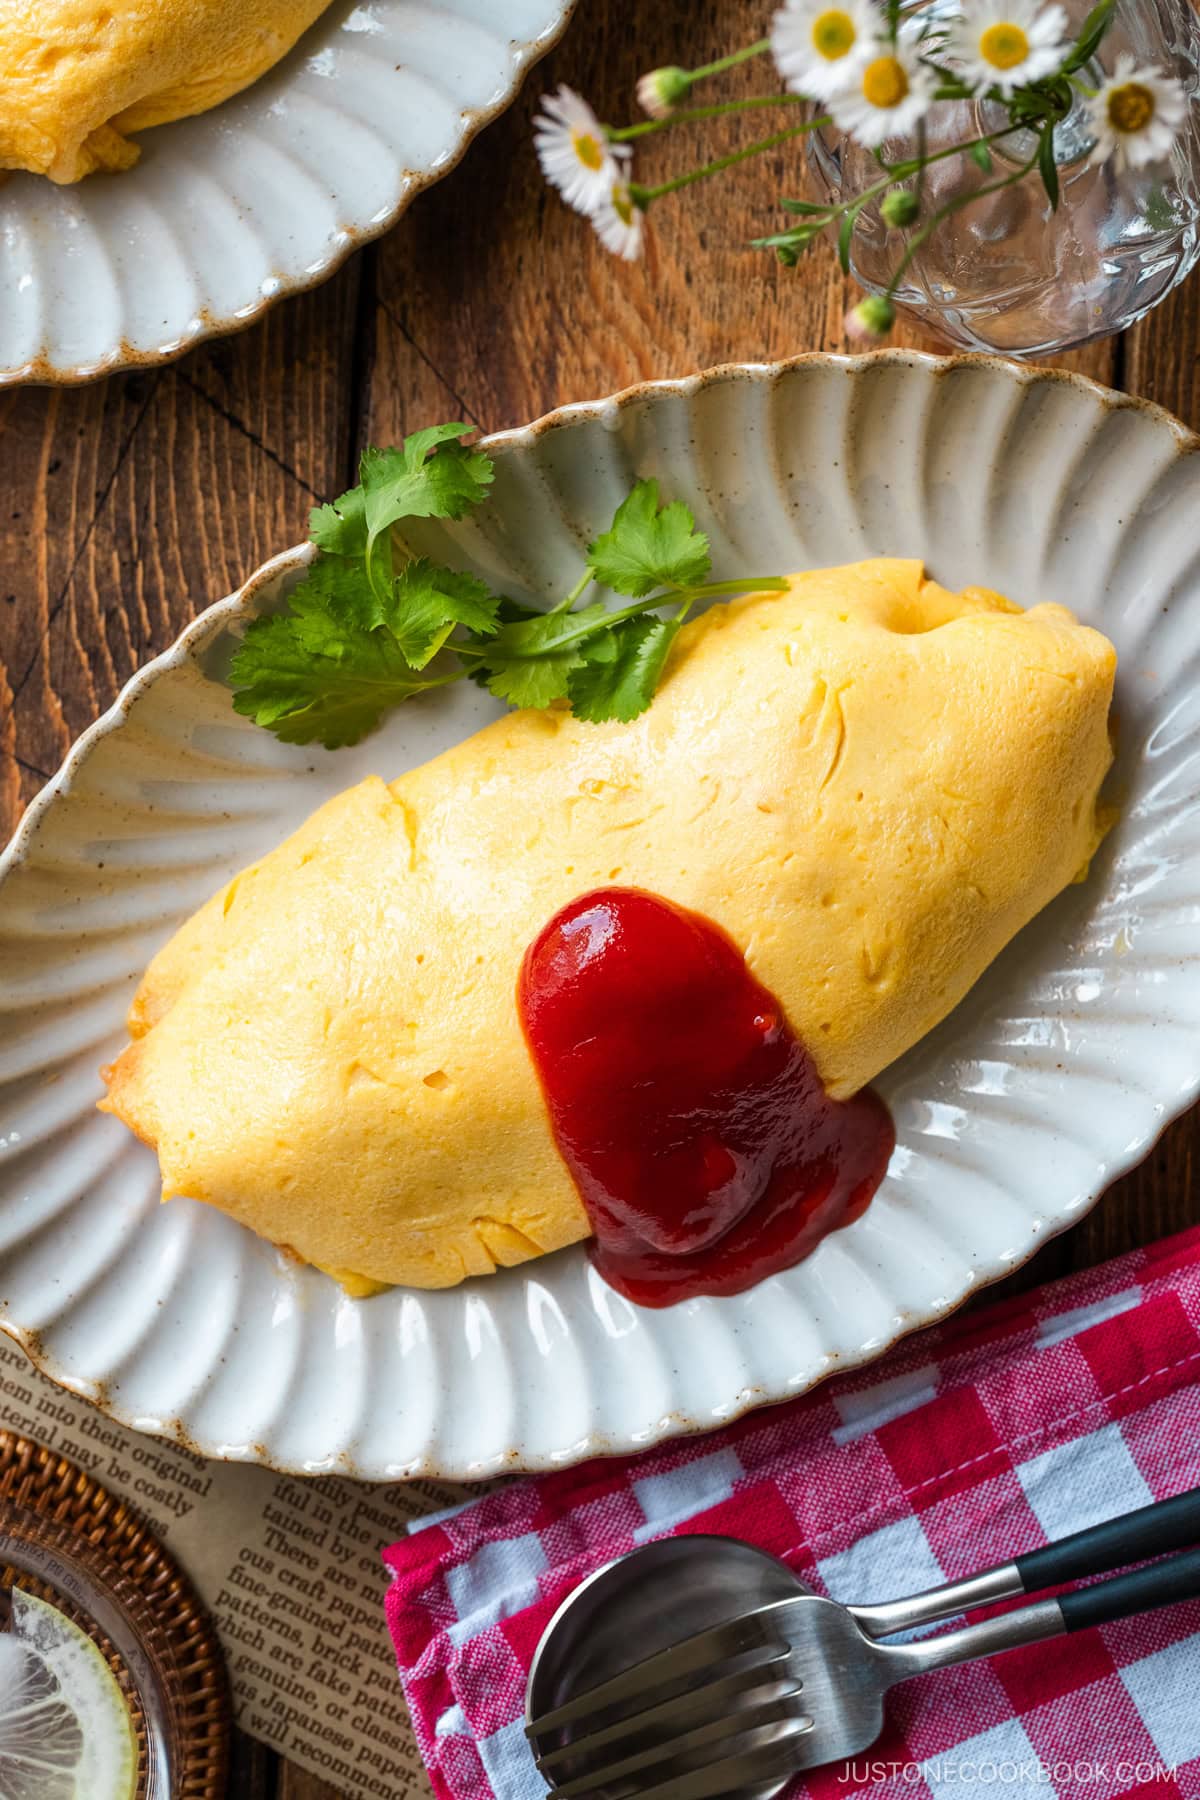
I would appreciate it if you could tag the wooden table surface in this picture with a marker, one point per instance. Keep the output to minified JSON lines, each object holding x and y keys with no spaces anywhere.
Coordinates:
{"x":129,"y":505}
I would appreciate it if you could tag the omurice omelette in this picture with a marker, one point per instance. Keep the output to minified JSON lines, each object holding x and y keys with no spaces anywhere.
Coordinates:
{"x":77,"y":77}
{"x":844,"y":801}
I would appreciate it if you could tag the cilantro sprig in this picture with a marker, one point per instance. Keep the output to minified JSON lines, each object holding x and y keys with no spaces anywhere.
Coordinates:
{"x":369,"y":625}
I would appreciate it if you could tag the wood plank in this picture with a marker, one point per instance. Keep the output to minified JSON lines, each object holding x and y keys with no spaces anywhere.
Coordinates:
{"x":1162,"y":361}
{"x":133,"y":504}
{"x":254,"y":1771}
{"x":297,"y":1784}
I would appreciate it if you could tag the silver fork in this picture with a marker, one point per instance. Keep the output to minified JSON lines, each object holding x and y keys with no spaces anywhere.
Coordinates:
{"x":801,"y":1681}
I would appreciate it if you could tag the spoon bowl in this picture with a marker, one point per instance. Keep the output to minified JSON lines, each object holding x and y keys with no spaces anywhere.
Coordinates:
{"x":643,"y":1603}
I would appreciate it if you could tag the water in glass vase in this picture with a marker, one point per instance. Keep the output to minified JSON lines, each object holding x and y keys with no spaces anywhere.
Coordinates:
{"x":1007,"y":272}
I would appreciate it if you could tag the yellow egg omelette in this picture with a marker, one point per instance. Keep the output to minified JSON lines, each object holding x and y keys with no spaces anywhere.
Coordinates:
{"x":77,"y":77}
{"x":870,"y":783}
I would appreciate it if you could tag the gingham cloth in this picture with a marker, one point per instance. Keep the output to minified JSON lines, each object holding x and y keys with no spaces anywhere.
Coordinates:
{"x":970,"y":1443}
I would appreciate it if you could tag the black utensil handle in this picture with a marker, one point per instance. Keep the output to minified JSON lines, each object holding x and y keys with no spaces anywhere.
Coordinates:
{"x":1159,"y":1584}
{"x":1151,"y":1531}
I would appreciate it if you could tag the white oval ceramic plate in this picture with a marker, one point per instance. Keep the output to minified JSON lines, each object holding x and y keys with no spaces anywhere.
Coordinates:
{"x":262,"y":196}
{"x":1056,"y":1073}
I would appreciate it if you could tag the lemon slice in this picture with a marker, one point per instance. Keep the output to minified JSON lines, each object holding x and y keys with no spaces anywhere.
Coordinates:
{"x":65,"y":1730}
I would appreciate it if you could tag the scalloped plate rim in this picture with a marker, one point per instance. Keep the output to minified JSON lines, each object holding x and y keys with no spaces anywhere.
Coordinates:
{"x":836,"y":1361}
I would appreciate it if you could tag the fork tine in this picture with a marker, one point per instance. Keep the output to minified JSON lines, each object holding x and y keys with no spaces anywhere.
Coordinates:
{"x":768,"y":1762}
{"x":718,"y":1644}
{"x":764,"y":1725}
{"x":748,"y":1769}
{"x":768,"y":1756}
{"x":703,"y":1702}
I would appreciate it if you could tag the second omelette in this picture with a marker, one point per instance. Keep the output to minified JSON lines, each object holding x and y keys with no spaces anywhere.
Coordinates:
{"x":77,"y":78}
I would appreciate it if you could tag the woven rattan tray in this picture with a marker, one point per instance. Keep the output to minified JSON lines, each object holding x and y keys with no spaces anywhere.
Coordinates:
{"x":107,"y":1541}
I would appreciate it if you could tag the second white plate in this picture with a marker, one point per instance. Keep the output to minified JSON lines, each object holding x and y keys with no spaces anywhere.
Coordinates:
{"x":264,"y":195}
{"x":1056,"y":1073}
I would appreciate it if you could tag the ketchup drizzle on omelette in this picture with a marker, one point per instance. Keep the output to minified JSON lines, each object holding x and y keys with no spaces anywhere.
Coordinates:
{"x":692,"y":1119}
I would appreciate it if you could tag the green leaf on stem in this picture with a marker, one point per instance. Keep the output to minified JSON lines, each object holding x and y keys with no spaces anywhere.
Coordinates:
{"x":1047,"y":167}
{"x":1160,"y":215}
{"x":530,"y":660}
{"x":409,"y":483}
{"x":650,"y":546}
{"x":1090,"y":34}
{"x":340,"y":529}
{"x":845,"y":233}
{"x":427,"y":602}
{"x":623,"y":684}
{"x":798,"y":238}
{"x":309,"y":675}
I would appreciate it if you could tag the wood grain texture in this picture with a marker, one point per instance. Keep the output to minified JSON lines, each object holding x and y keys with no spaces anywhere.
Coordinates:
{"x":131,"y":505}
{"x":128,"y":506}
{"x":254,"y":1772}
{"x":296,"y":1784}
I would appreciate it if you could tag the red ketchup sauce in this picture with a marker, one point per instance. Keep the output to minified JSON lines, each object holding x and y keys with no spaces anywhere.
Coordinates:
{"x":704,"y":1147}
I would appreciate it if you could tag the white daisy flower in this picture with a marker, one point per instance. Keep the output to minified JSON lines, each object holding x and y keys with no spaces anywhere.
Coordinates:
{"x":818,"y":44}
{"x":619,"y":221}
{"x":1136,"y":115}
{"x":887,"y":95}
{"x":1006,"y":44}
{"x":575,"y":154}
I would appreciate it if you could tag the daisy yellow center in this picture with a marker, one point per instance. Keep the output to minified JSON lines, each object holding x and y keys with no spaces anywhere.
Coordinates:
{"x":1130,"y":107}
{"x":885,"y":81}
{"x":622,"y":205}
{"x":1004,"y":46}
{"x":833,"y":34}
{"x":588,"y":150}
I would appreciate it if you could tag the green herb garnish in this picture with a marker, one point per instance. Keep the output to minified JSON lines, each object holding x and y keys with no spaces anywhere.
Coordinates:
{"x":369,"y":625}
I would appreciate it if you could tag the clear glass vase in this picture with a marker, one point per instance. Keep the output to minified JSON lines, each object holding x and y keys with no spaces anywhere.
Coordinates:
{"x":1007,"y":272}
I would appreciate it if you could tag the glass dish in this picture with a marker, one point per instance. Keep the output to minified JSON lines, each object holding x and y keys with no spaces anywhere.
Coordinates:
{"x":75,"y":1575}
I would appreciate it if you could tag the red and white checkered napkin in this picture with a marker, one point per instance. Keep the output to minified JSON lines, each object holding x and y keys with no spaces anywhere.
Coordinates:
{"x":972,"y":1442}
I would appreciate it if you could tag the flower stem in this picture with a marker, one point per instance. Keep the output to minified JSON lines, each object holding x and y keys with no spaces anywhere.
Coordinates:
{"x":642,"y":196}
{"x":691,"y":114}
{"x":952,"y":206}
{"x":898,"y":171}
{"x":758,"y":48}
